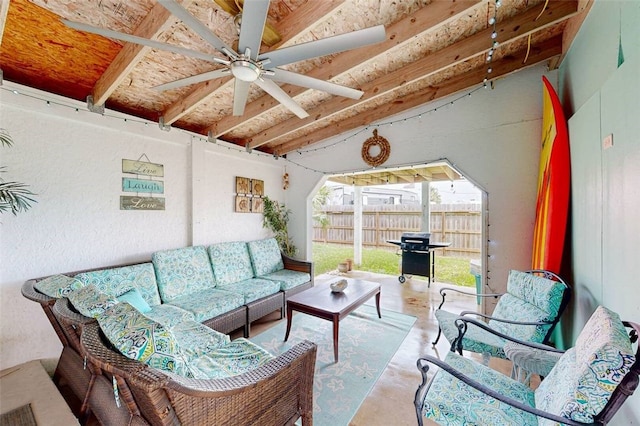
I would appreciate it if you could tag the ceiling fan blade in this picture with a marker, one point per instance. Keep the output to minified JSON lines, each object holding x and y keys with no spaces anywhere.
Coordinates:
{"x":240,"y":94}
{"x":143,"y":41}
{"x":281,"y":96}
{"x":289,"y":77}
{"x":325,"y":46}
{"x":254,"y":17}
{"x":198,"y":27}
{"x":193,"y":79}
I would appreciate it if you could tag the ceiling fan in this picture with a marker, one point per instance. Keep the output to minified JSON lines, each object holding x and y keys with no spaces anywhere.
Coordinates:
{"x":246,"y":64}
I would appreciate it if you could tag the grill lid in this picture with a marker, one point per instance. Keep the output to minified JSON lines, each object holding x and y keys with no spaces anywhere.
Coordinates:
{"x":415,"y":241}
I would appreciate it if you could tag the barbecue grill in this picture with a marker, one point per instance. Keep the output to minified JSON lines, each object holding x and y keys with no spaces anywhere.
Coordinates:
{"x":416,"y":258}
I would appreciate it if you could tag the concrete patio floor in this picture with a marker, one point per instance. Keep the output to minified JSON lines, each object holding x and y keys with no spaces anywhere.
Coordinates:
{"x":390,"y":402}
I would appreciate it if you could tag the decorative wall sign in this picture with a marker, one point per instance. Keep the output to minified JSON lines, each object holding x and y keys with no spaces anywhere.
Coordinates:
{"x":128,"y":202}
{"x":243,"y":185}
{"x":257,"y":187}
{"x":249,"y":193}
{"x":243,"y":204}
{"x":257,"y":205}
{"x":145,"y":183}
{"x":142,"y":168}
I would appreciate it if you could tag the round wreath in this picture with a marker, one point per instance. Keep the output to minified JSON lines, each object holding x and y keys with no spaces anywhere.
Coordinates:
{"x":383,"y":155}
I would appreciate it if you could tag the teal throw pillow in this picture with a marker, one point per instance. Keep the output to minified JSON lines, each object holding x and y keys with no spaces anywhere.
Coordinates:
{"x":135,"y":299}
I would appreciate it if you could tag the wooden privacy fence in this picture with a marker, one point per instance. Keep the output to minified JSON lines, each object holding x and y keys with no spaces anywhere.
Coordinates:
{"x":460,"y":224}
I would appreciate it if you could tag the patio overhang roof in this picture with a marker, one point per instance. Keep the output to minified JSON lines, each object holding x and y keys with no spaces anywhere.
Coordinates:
{"x":431,"y":172}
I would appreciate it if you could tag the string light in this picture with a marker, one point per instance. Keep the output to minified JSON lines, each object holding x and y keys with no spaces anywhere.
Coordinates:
{"x":128,"y":120}
{"x":232,"y":147}
{"x":494,"y":43}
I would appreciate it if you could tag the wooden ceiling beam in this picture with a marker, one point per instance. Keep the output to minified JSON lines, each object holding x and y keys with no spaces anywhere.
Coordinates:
{"x":477,"y":44}
{"x":300,"y":20}
{"x":156,"y":21}
{"x":432,"y":16}
{"x":502,"y":67}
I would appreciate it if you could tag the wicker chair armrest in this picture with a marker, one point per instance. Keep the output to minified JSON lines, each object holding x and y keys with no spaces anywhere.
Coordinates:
{"x":109,"y":359}
{"x":444,"y":290}
{"x":462,"y":325}
{"x":304,"y":351}
{"x":423,"y":388}
{"x":297,"y":265}
{"x":29,"y":291}
{"x":65,"y":311}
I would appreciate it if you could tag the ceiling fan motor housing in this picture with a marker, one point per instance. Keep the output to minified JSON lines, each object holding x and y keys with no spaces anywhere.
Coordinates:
{"x":245,"y":70}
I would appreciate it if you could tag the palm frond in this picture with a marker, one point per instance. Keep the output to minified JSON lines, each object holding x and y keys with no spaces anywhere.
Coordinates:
{"x":5,"y":138}
{"x":15,"y":197}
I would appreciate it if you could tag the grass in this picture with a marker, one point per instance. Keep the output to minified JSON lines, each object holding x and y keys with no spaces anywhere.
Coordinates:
{"x":326,"y":257}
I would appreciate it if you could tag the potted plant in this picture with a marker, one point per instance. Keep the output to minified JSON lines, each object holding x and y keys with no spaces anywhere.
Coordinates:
{"x":275,"y":218}
{"x":14,"y":196}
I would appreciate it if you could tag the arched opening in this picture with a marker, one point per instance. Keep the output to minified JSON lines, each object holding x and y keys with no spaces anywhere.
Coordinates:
{"x":372,"y":210}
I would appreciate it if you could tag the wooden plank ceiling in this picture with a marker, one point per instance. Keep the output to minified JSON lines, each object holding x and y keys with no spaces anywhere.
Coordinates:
{"x":432,"y":49}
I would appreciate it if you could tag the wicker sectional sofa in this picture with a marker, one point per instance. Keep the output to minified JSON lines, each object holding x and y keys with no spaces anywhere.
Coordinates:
{"x":187,"y":298}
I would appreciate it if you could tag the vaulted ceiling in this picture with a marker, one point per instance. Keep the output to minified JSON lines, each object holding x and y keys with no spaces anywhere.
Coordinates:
{"x":432,"y":49}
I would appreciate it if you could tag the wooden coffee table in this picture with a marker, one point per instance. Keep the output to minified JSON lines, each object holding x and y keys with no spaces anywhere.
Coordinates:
{"x":320,"y":302}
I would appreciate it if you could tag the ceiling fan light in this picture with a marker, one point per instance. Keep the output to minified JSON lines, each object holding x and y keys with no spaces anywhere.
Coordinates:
{"x":245,"y":70}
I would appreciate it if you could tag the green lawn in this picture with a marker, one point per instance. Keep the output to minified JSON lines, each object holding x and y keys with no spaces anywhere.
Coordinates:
{"x":453,"y":270}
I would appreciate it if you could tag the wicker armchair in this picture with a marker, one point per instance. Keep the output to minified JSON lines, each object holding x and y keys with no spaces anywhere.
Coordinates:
{"x":278,"y":393}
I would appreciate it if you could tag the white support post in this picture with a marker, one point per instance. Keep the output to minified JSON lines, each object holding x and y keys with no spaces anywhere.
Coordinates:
{"x":357,"y":225}
{"x":426,"y":206}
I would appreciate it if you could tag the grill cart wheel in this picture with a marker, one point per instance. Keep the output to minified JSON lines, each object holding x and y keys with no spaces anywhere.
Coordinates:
{"x":402,"y":279}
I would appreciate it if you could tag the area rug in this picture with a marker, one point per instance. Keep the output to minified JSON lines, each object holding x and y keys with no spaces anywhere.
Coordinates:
{"x":367,"y":344}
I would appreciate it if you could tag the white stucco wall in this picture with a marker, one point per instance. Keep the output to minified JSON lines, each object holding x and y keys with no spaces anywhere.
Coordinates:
{"x":73,"y":162}
{"x":492,"y":136}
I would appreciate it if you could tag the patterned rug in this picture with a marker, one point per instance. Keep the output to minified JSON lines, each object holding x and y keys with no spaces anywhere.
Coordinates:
{"x":367,"y":344}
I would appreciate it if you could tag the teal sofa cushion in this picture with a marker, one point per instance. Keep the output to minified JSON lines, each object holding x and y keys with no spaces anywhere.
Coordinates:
{"x":169,"y":315}
{"x":182,"y":272}
{"x":288,"y":279}
{"x":207,"y":304}
{"x":140,"y":338}
{"x":528,"y":296}
{"x":230,"y":261}
{"x":265,"y":256}
{"x":58,"y":285}
{"x":117,"y":281}
{"x":238,"y":357}
{"x":475,"y":339}
{"x":252,"y":289}
{"x":90,"y":302}
{"x":134,"y":298}
{"x":582,"y":382}
{"x":450,"y":401}
{"x":197,"y":339}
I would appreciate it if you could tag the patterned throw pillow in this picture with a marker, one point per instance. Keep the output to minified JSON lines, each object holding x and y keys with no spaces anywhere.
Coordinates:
{"x":58,"y":286}
{"x":140,"y":338}
{"x":90,"y":302}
